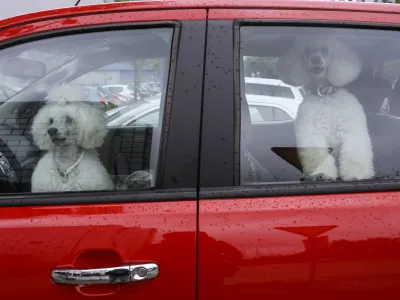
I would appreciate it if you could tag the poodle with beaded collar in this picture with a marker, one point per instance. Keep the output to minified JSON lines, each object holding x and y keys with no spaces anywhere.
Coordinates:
{"x":331,"y":127}
{"x":69,"y":130}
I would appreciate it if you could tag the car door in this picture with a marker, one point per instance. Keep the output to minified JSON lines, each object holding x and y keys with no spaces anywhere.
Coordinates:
{"x":131,"y":242}
{"x":264,"y":232}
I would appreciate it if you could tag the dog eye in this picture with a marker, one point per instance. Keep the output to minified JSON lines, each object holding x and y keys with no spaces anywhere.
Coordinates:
{"x":51,"y":120}
{"x":68,"y":119}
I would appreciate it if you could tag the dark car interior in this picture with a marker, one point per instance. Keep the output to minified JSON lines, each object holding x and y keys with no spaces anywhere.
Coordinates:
{"x":125,"y":149}
{"x":273,"y":145}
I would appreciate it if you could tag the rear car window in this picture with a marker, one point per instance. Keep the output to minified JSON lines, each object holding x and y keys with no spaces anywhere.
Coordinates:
{"x":344,"y":127}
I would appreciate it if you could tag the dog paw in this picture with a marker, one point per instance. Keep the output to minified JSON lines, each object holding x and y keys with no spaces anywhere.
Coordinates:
{"x":319,"y":177}
{"x":138,"y":180}
{"x":356,"y":174}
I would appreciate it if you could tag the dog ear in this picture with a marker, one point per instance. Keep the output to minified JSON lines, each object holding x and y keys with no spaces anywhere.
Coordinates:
{"x":39,"y":128}
{"x":93,"y":127}
{"x":290,"y":68}
{"x":344,"y":66}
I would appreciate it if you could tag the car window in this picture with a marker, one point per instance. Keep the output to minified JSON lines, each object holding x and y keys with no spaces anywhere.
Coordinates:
{"x":281,"y":115}
{"x":130,"y":87}
{"x":261,"y":113}
{"x":116,"y":89}
{"x":64,"y":130}
{"x":337,"y":132}
{"x":255,"y":115}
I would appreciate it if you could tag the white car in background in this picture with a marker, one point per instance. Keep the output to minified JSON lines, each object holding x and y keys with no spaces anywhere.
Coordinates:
{"x":148,"y":113}
{"x":286,"y":99}
{"x":125,"y":90}
{"x":130,"y":115}
{"x":269,"y":112}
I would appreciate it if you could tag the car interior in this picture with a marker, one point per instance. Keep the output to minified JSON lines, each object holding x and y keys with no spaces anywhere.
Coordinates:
{"x":273,"y":144}
{"x":268,"y":149}
{"x":125,"y":149}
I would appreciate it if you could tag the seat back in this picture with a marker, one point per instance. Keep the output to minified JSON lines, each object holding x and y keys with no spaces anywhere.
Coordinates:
{"x":126,"y":150}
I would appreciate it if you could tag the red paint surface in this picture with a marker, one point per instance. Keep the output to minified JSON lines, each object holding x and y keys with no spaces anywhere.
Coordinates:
{"x":111,"y":18}
{"x":308,"y":247}
{"x":188,"y":4}
{"x":325,"y":246}
{"x":302,"y":14}
{"x":36,"y":240}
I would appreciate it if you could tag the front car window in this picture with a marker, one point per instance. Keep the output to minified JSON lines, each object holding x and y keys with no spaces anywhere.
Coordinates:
{"x":49,"y":57}
{"x":338,"y":130}
{"x":56,"y":107}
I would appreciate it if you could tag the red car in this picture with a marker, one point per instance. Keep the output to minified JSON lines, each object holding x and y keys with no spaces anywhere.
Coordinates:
{"x":227,"y":212}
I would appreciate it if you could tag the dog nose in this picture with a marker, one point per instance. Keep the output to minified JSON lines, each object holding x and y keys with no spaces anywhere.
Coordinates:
{"x":316,"y":59}
{"x":52,"y":131}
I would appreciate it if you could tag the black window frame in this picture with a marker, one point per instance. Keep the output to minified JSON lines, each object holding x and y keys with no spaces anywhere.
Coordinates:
{"x":177,"y":171}
{"x":220,"y":152}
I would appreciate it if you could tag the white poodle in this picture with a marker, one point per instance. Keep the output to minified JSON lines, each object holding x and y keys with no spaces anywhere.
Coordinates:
{"x":69,"y":129}
{"x":331,"y":127}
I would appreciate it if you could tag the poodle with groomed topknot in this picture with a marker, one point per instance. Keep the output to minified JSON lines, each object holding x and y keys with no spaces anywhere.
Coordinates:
{"x":69,"y":129}
{"x":331,"y":127}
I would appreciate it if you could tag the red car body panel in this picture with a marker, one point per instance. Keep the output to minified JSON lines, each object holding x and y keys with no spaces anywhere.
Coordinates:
{"x":98,"y":19}
{"x":301,"y":247}
{"x":326,"y":245}
{"x":36,"y":240}
{"x":303,"y":14}
{"x":206,"y":4}
{"x":271,"y":246}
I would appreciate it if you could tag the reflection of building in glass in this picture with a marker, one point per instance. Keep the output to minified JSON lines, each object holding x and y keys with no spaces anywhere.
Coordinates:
{"x":119,"y":73}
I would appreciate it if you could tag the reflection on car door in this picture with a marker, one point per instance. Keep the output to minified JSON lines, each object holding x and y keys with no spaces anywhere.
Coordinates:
{"x":84,"y":231}
{"x":279,"y":241}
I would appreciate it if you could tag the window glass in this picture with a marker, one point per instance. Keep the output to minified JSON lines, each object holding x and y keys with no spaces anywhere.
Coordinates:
{"x":260,"y":114}
{"x":116,"y":89}
{"x":268,"y":90}
{"x":266,"y":113}
{"x":64,"y":107}
{"x":281,"y":115}
{"x":255,"y":115}
{"x":338,"y":92}
{"x":149,"y":118}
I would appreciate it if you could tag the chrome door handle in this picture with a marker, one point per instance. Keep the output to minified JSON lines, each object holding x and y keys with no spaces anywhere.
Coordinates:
{"x":122,"y":274}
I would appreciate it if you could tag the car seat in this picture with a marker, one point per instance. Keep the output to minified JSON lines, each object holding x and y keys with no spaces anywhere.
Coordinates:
{"x":371,"y":93}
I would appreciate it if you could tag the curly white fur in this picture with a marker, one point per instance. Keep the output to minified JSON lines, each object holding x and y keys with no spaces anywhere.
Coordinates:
{"x":335,"y":120}
{"x":66,"y":127}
